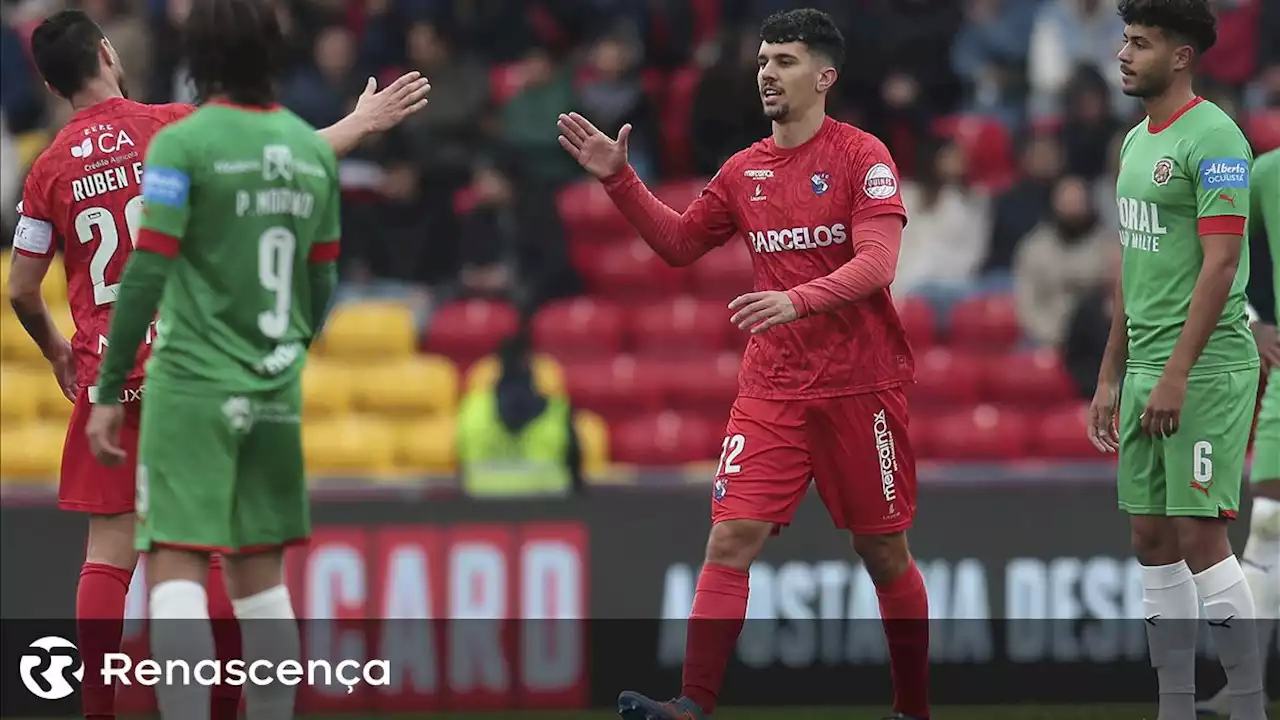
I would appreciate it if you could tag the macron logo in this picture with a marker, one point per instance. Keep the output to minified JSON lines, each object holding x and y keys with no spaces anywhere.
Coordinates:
{"x":83,"y":150}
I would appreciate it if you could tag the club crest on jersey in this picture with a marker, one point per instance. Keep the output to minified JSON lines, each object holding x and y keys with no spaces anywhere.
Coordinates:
{"x":1162,"y":172}
{"x":820,"y":182}
{"x":880,"y":183}
{"x":720,"y":489}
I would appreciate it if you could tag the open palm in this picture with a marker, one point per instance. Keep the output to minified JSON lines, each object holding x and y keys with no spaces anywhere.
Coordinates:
{"x":596,"y":152}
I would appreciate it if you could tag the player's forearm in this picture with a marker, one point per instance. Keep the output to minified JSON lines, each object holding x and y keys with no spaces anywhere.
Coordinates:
{"x":344,"y":135}
{"x":1213,"y":287}
{"x":661,"y":227}
{"x":324,"y":281}
{"x":1117,"y":350}
{"x":140,"y":291}
{"x":877,"y":242}
{"x":35,"y":318}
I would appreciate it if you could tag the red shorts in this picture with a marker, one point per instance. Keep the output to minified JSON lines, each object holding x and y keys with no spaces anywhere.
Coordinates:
{"x":87,"y":485}
{"x":854,"y":448}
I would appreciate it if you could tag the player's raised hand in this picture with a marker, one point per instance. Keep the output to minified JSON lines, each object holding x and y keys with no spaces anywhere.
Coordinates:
{"x":1163,"y":413}
{"x":596,"y":152}
{"x":104,"y":434}
{"x":1268,"y":343}
{"x":62,"y":360}
{"x":759,"y":311}
{"x":1102,"y":419}
{"x":383,"y":109}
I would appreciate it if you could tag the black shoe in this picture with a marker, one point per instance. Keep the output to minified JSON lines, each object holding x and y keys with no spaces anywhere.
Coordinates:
{"x":634,"y":706}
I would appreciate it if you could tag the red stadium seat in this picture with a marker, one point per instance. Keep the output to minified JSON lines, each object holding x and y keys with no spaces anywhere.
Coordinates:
{"x":947,"y":377}
{"x":505,"y":81}
{"x":677,"y":116}
{"x":588,"y":213}
{"x":1062,"y":434}
{"x":1263,"y":129}
{"x":982,"y":433}
{"x":1032,"y":378}
{"x":617,"y":387}
{"x":681,"y":193}
{"x":707,"y":385}
{"x":987,"y":147}
{"x":632,"y":271}
{"x":724,"y":273}
{"x":578,"y":327}
{"x":468,"y":330}
{"x":987,"y":322}
{"x":680,"y":326}
{"x":667,"y":438}
{"x":918,"y":319}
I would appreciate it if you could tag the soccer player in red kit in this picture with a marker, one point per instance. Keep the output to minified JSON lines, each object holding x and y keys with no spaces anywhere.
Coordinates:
{"x":821,"y":386}
{"x":83,"y":194}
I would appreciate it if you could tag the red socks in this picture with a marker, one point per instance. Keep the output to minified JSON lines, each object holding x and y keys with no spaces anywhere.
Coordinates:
{"x":904,"y":609}
{"x":99,"y":625}
{"x":226,"y":641}
{"x":719,"y":610}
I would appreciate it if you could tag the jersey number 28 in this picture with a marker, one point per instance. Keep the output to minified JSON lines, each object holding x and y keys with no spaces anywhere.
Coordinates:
{"x":101,"y":219}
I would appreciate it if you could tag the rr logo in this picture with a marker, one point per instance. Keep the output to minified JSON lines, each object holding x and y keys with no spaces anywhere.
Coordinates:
{"x":50,"y":666}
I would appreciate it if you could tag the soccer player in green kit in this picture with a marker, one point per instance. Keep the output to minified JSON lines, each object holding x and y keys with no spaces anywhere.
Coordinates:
{"x":1261,"y":557}
{"x":237,"y":249}
{"x":1181,"y":342}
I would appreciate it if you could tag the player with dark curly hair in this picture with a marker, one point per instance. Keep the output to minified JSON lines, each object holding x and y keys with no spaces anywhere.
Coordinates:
{"x":1181,"y":346}
{"x":820,"y":397}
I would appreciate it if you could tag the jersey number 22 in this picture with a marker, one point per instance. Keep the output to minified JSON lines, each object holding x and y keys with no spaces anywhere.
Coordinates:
{"x":101,"y":219}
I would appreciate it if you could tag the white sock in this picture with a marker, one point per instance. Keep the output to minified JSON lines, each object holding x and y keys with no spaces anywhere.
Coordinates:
{"x":1261,"y":563}
{"x":1228,"y":607}
{"x":270,"y":633}
{"x":1172,"y":610}
{"x":180,"y":631}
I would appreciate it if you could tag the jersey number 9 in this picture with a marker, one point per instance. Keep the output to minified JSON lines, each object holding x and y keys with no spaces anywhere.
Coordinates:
{"x":276,"y":249}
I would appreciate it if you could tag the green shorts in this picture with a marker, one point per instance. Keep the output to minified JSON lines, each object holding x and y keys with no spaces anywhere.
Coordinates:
{"x":1266,"y":438}
{"x":1197,"y":472}
{"x":221,"y":473}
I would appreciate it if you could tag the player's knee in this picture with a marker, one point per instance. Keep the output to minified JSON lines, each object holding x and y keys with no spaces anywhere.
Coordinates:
{"x":249,"y":575}
{"x":1154,"y":540}
{"x":735,"y":543}
{"x":885,"y":556}
{"x":111,"y":541}
{"x":1202,"y":542}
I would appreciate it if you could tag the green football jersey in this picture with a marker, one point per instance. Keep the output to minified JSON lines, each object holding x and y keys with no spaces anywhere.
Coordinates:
{"x":1177,"y":182}
{"x":251,"y":197}
{"x":1265,"y":213}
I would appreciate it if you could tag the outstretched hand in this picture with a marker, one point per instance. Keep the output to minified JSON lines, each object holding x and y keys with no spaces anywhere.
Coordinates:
{"x":383,"y":109}
{"x":596,"y":152}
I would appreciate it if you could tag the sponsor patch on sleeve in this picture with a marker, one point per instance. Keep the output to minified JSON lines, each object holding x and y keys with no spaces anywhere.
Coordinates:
{"x":1216,"y":173}
{"x":880,"y":183}
{"x":33,"y":236}
{"x":165,"y":186}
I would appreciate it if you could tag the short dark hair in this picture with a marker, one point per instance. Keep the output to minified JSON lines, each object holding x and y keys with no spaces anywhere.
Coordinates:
{"x":65,"y":49}
{"x":812,"y":27}
{"x":1188,"y":20}
{"x":235,"y":48}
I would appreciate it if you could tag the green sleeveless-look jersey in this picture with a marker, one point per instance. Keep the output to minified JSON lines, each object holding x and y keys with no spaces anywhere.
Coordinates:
{"x":1188,"y":178}
{"x":251,"y":196}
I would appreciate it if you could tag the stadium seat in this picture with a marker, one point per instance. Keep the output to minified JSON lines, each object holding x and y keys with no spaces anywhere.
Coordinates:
{"x":19,"y":398}
{"x":617,"y":387}
{"x":1034,"y":378}
{"x":32,"y":453}
{"x":681,"y":326}
{"x":326,"y":388}
{"x":631,"y":271}
{"x":414,"y":387}
{"x":593,"y":441}
{"x":676,"y":122}
{"x":505,"y":81}
{"x":706,"y":385}
{"x":1062,"y":434}
{"x":15,"y":345}
{"x":6,"y":260}
{"x":982,"y":433}
{"x":667,"y":439}
{"x":548,"y":374}
{"x":946,"y":377}
{"x":369,"y":330}
{"x":52,"y":405}
{"x":470,"y":329}
{"x":54,"y":287}
{"x":986,"y":144}
{"x":427,"y":446}
{"x":987,"y":323}
{"x":1263,"y":129}
{"x":61,"y":313}
{"x":588,"y":213}
{"x":918,"y":320}
{"x":723,"y":273}
{"x":679,"y":194}
{"x":578,"y":327}
{"x":352,"y":446}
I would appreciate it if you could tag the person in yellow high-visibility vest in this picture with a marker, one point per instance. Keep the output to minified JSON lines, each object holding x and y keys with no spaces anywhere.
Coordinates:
{"x":514,"y":441}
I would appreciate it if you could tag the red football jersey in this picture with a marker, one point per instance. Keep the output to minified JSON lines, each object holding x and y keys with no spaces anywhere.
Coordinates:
{"x":796,"y":209}
{"x":84,"y":195}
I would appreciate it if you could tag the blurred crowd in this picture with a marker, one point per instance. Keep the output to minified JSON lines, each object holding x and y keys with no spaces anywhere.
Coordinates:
{"x":1004,"y":117}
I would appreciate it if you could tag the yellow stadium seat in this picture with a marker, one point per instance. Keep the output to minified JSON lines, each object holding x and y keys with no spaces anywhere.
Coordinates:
{"x":5,"y":261}
{"x":427,"y":446}
{"x":326,"y":388}
{"x":19,"y":397}
{"x":27,"y":146}
{"x":15,"y":345}
{"x":52,"y":405}
{"x":593,"y":440}
{"x":61,"y":313}
{"x":381,"y":330}
{"x":54,"y":287}
{"x":31,"y":453}
{"x":548,"y":375}
{"x":424,"y":385}
{"x":351,"y":446}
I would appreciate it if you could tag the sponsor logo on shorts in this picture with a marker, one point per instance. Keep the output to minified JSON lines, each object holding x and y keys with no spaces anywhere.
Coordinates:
{"x":51,"y":668}
{"x":888,"y":455}
{"x":720,"y":489}
{"x":239,"y":413}
{"x":1217,"y":173}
